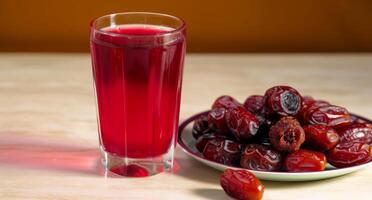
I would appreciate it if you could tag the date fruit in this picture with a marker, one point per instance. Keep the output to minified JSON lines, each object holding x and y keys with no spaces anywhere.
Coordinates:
{"x":242,"y":124}
{"x":261,"y":158}
{"x":320,"y":137}
{"x":223,"y":151}
{"x":217,"y":121}
{"x":307,"y":103}
{"x":348,"y":154}
{"x":241,"y":185}
{"x":282,"y":129}
{"x":226,"y":102}
{"x":330,"y":115}
{"x":287,"y":135}
{"x":254,"y":104}
{"x":305,"y":161}
{"x":357,"y":133}
{"x":200,"y":127}
{"x":204,"y":139}
{"x":282,"y":101}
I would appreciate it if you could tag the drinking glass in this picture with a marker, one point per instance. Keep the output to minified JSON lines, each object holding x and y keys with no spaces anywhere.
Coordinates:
{"x":137,"y":62}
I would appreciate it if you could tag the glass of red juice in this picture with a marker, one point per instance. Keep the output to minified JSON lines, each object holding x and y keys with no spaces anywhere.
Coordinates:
{"x":137,"y":62}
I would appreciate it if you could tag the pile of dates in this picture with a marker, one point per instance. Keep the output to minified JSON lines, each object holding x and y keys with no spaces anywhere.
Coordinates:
{"x":282,"y":131}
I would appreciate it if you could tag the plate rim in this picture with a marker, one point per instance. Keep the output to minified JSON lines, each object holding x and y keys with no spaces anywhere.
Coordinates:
{"x":187,"y":150}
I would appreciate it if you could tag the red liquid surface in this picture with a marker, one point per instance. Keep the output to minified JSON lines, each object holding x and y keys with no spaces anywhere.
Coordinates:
{"x":138,"y":89}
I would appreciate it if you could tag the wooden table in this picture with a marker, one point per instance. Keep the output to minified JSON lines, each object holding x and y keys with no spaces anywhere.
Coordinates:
{"x":48,"y":133}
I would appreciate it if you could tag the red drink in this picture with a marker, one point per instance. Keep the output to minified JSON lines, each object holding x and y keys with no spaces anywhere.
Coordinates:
{"x":137,"y":70}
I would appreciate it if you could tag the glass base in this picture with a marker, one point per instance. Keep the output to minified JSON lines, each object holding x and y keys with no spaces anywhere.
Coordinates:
{"x":137,"y":167}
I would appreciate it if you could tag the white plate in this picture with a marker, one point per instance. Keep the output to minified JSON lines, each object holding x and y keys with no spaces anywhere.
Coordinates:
{"x":187,"y":142}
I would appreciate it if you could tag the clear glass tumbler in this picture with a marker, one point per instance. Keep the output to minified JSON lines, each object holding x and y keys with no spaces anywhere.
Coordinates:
{"x":137,"y":62}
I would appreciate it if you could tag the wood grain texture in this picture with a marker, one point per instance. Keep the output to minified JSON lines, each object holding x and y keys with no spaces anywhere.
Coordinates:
{"x":48,"y":133}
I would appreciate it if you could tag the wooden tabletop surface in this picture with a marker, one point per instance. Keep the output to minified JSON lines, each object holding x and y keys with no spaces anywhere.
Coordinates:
{"x":48,"y":132}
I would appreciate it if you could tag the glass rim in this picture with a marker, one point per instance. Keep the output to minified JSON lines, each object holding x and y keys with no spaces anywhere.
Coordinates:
{"x":171,"y":32}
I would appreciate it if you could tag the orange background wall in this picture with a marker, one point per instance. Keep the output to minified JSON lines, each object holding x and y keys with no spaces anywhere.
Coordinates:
{"x":213,"y":26}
